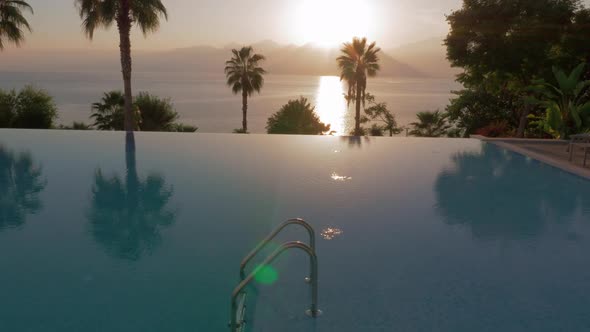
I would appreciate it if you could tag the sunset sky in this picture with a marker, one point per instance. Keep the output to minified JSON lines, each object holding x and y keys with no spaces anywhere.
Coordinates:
{"x":214,"y":22}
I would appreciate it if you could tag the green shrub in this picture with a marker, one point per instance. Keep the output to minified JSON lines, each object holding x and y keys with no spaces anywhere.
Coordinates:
{"x":297,"y":117}
{"x":30,"y":108}
{"x":157,"y":114}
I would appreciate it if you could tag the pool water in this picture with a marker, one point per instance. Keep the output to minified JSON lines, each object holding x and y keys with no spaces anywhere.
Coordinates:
{"x":99,"y":232}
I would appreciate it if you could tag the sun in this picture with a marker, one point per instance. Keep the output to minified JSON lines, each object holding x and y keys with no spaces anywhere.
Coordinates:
{"x":329,"y":23}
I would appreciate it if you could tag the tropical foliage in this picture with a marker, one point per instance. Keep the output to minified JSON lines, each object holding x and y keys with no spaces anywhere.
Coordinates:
{"x":245,"y":75}
{"x":145,"y":14}
{"x":567,"y":105}
{"x":13,"y":23}
{"x":76,"y":126}
{"x":157,"y":114}
{"x":297,"y":117}
{"x":476,"y":108}
{"x":151,"y":113}
{"x":430,"y":124}
{"x":109,"y":114}
{"x":29,"y":108}
{"x":21,"y":183}
{"x":386,"y":122}
{"x":359,"y":60}
{"x":504,"y":46}
{"x":182,"y":128}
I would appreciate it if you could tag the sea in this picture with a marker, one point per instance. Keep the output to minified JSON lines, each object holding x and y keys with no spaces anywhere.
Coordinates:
{"x":204,"y":100}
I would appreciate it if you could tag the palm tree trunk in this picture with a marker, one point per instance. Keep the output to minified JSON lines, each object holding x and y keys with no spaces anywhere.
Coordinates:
{"x":245,"y":111}
{"x":124,"y":25}
{"x":357,"y":117}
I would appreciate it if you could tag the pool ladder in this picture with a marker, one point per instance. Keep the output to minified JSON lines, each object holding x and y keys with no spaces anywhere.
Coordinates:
{"x":238,"y":299}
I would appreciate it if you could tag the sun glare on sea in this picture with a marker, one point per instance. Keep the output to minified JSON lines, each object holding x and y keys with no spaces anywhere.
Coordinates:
{"x":331,"y":105}
{"x":329,"y":23}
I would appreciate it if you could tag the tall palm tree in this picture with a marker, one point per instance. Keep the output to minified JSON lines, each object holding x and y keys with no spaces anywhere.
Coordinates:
{"x":359,"y":60}
{"x":430,"y":124}
{"x":13,"y":22}
{"x":245,"y":75}
{"x":145,"y":14}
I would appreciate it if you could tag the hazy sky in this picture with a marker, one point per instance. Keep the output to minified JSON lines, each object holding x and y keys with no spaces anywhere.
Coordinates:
{"x":217,"y":22}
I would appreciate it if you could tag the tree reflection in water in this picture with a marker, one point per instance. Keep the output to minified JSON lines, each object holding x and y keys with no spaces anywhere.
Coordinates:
{"x":127,"y":215}
{"x":500,"y":195}
{"x":20,"y":185}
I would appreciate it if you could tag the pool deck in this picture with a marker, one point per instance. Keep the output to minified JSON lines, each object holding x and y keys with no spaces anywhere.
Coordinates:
{"x":552,"y":152}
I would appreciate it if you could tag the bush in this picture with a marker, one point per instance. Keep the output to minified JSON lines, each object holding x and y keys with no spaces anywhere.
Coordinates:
{"x":76,"y":126}
{"x":376,"y":130}
{"x":152,"y":113}
{"x":477,"y":108}
{"x":297,"y":117}
{"x":30,"y":108}
{"x":240,"y":131}
{"x":157,"y":114}
{"x":7,"y":108}
{"x":182,"y":128}
{"x":496,"y":129}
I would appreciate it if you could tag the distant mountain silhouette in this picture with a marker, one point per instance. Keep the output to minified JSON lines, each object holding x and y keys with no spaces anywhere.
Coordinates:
{"x":429,"y":56}
{"x":281,"y":59}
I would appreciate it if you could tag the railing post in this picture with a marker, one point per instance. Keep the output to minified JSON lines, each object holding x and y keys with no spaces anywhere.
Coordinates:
{"x":313,"y":311}
{"x":272,"y":235}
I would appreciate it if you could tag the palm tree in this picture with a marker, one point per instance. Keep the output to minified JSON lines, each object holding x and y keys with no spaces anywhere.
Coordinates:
{"x":103,"y":13}
{"x":108,"y":114}
{"x":430,"y":124}
{"x":13,"y":22}
{"x":357,"y":62}
{"x":245,"y":75}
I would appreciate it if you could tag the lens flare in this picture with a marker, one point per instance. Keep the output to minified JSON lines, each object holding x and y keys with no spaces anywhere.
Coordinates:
{"x":266,"y":275}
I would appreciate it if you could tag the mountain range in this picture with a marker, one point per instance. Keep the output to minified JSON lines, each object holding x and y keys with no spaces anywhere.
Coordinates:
{"x":418,"y":60}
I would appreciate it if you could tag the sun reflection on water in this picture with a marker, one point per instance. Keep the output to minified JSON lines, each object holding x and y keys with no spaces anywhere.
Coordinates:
{"x":331,"y":105}
{"x":342,"y":178}
{"x":330,"y":233}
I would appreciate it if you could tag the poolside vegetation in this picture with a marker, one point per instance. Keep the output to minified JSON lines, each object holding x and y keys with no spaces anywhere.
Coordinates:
{"x":503,"y":50}
{"x":567,"y":111}
{"x":29,"y":108}
{"x":245,"y":75}
{"x":151,"y":113}
{"x":358,"y":61}
{"x":381,"y":118}
{"x":297,"y":117}
{"x":145,"y":14}
{"x":430,"y":124}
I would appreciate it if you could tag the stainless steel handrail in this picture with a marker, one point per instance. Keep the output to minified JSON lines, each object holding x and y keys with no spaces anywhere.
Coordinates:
{"x":313,"y":311}
{"x":272,"y":235}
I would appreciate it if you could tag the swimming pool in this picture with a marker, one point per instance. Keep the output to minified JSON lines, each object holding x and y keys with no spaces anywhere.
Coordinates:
{"x":416,"y":234}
